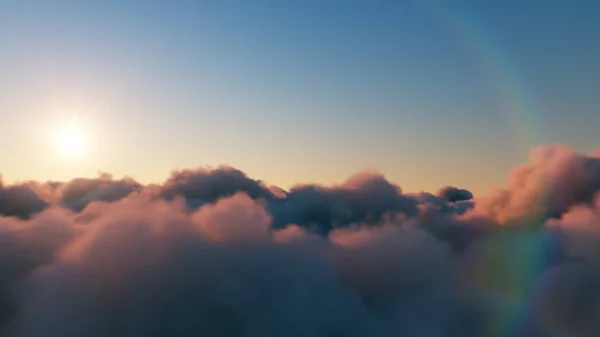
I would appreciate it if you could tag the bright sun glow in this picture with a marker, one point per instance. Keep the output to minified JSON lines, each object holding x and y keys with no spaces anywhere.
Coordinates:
{"x":71,"y":141}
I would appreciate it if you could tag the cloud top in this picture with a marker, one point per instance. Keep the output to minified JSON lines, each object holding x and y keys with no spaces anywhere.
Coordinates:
{"x":213,"y":252}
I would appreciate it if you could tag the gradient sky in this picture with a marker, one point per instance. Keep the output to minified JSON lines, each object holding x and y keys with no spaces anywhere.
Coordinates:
{"x":429,"y":93}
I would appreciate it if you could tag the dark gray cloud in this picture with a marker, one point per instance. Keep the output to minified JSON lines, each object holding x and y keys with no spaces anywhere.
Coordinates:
{"x":209,"y":185}
{"x":431,"y":203}
{"x":78,"y":193}
{"x":363,"y":198}
{"x":453,"y":194}
{"x":20,"y":200}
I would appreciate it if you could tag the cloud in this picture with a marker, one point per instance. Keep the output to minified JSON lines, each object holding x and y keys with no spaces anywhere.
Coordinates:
{"x":167,"y":274}
{"x":78,"y":193}
{"x":453,"y":194}
{"x":235,"y":218}
{"x":213,"y":252}
{"x":20,"y":200}
{"x":569,"y":299}
{"x":430,"y":203}
{"x":556,"y":179}
{"x":580,"y":226}
{"x":209,"y":185}
{"x":24,"y":246}
{"x":366,"y":197}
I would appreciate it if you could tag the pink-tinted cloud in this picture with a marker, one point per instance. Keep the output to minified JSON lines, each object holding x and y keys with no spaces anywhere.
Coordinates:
{"x":555,"y":179}
{"x":216,"y":253}
{"x":235,"y":218}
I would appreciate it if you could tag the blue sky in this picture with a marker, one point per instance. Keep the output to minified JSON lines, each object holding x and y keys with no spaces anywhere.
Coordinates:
{"x":427,"y":92}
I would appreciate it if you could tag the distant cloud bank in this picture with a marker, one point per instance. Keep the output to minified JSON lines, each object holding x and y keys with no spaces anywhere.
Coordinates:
{"x":217,"y":253}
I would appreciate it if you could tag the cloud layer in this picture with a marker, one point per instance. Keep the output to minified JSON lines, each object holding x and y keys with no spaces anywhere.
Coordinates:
{"x":217,"y":253}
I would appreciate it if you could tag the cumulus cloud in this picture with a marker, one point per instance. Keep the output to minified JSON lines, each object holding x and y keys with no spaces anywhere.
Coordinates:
{"x":24,"y":246}
{"x":208,"y":185}
{"x":366,"y":197}
{"x":78,"y":193}
{"x":556,"y":179}
{"x":20,"y":200}
{"x":213,"y":252}
{"x":454,"y":194}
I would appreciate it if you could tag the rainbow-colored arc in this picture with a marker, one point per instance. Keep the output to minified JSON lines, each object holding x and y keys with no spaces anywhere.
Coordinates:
{"x":502,"y":72}
{"x":510,"y":272}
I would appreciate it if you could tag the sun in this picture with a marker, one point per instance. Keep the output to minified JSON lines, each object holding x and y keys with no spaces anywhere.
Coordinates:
{"x":71,"y":141}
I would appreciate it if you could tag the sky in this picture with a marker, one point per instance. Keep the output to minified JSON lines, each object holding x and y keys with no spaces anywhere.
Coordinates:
{"x":428,"y":93}
{"x":352,"y":98}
